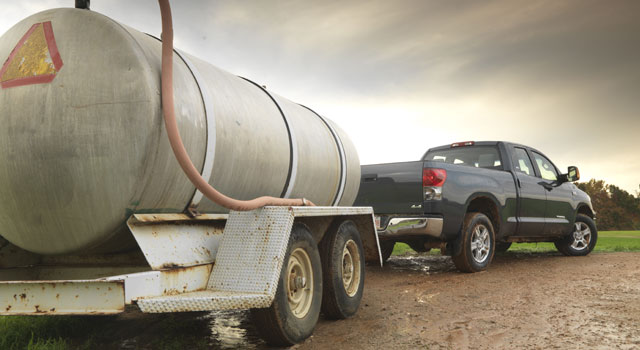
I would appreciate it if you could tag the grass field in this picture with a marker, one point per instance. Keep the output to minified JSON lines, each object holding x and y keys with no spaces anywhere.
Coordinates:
{"x":608,"y":241}
{"x":175,"y":332}
{"x":167,"y":332}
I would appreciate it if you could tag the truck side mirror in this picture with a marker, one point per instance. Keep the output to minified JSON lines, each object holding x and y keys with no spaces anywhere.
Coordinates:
{"x":573,"y":174}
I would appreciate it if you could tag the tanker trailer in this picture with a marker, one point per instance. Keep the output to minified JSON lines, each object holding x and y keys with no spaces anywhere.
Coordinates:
{"x":98,"y":214}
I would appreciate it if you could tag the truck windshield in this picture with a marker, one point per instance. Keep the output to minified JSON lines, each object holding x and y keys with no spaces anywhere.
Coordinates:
{"x":475,"y":156}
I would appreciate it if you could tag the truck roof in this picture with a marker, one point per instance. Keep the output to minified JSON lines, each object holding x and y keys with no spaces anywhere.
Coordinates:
{"x":475,"y":143}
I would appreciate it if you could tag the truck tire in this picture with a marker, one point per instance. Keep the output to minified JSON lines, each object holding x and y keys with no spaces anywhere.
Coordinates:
{"x":294,"y":312}
{"x":386,"y":248}
{"x":502,"y":247}
{"x":418,"y":246}
{"x":582,"y":240}
{"x":342,"y":258}
{"x":477,"y":244}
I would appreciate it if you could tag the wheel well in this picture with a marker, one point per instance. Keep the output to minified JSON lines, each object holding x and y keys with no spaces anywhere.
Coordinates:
{"x":486,"y":206}
{"x":319,"y":225}
{"x":584,"y":209}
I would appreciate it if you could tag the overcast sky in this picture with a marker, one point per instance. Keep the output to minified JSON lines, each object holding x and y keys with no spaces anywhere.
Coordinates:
{"x":406,"y":75}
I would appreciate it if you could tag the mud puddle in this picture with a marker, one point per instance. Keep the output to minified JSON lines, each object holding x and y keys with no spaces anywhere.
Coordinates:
{"x":233,"y":330}
{"x":426,"y":264}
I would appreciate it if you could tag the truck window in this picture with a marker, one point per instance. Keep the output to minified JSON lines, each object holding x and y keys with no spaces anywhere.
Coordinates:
{"x":547,"y":170}
{"x":522,"y":163}
{"x":477,"y":156}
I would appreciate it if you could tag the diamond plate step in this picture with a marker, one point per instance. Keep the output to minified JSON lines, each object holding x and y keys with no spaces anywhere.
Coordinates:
{"x":247,"y":266}
{"x":205,"y":300}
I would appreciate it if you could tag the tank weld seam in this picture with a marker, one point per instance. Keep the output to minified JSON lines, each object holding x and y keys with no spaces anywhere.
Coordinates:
{"x":209,"y":154}
{"x":210,"y":148}
{"x":289,"y":182}
{"x":343,"y":158}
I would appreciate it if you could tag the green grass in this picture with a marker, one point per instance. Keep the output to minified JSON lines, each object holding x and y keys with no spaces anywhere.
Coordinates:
{"x":168,"y":332}
{"x":35,"y":332}
{"x":608,"y":241}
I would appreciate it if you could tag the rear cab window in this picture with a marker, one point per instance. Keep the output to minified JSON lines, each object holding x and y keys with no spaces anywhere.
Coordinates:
{"x":486,"y":157}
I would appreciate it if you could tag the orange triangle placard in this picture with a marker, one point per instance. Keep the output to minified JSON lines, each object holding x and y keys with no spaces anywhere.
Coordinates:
{"x":34,"y":60}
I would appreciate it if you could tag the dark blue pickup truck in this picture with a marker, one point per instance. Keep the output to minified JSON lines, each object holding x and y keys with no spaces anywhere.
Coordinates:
{"x":471,"y":199}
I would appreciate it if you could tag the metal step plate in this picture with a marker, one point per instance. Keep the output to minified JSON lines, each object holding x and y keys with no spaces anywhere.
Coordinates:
{"x":252,"y":251}
{"x":205,"y":300}
{"x":247,"y":267}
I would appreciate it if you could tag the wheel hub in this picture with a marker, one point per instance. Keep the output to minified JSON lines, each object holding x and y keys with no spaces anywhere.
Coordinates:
{"x":581,"y":236}
{"x":351,"y":268}
{"x":299,"y":283}
{"x":480,"y":243}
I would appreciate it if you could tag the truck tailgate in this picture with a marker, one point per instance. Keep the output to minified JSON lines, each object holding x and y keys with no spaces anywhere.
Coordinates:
{"x":392,"y":188}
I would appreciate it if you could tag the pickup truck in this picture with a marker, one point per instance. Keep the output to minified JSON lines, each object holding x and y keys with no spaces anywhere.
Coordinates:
{"x":471,"y":199}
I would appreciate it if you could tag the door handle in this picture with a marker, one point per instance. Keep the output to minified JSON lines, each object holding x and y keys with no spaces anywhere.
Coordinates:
{"x":519,"y":184}
{"x":370,"y":178}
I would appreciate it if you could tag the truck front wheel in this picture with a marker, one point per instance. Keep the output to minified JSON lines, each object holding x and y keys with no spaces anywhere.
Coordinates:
{"x":294,"y":312}
{"x":342,"y":270}
{"x":582,"y":240}
{"x":476,"y":244}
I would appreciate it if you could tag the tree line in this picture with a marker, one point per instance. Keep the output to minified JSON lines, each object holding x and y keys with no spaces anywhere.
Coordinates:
{"x":616,"y":209}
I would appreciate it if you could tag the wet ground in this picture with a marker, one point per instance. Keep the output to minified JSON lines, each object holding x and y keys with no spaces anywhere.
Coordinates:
{"x":524,"y":301}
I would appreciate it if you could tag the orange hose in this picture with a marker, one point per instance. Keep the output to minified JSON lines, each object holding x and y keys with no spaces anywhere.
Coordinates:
{"x":176,"y":141}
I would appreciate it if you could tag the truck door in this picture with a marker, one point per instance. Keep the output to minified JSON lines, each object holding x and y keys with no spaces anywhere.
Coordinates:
{"x":559,"y":213}
{"x":532,"y":199}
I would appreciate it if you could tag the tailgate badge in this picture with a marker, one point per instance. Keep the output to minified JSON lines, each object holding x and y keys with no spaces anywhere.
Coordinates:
{"x":416,"y":206}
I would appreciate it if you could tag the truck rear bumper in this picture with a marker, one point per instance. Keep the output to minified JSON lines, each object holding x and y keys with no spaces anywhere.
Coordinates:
{"x":412,"y":226}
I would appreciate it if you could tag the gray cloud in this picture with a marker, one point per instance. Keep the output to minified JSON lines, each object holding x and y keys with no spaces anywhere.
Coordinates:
{"x":562,"y":76}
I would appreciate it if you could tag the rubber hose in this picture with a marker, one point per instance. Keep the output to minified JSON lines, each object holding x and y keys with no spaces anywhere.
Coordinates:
{"x":180,"y":151}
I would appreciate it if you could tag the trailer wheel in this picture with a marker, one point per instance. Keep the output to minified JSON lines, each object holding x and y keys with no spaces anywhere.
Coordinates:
{"x":477,"y":244}
{"x":294,"y":312}
{"x":342,"y":270}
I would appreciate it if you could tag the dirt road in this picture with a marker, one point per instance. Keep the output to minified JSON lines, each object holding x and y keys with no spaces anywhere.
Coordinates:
{"x":524,"y":301}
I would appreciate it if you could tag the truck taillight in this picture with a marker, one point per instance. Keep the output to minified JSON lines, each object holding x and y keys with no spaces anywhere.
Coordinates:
{"x":433,"y":177}
{"x":432,"y":181}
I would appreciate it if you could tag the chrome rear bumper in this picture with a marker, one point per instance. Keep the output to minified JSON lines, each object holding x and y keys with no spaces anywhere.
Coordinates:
{"x":412,"y":226}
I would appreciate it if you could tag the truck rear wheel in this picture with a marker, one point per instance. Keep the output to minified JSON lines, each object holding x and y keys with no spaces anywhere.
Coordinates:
{"x":386,"y":248}
{"x":294,"y":312}
{"x":342,"y":270}
{"x":582,"y":240}
{"x":477,"y":244}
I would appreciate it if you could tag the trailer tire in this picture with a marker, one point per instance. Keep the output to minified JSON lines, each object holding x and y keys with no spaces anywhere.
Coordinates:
{"x":294,"y":312}
{"x":342,"y":257}
{"x":476,"y":244}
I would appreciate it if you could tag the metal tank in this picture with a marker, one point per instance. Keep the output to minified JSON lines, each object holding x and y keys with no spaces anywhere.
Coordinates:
{"x":83,"y":144}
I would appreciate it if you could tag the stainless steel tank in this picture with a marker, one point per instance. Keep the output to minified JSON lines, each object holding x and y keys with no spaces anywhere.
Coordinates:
{"x":83,"y":144}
